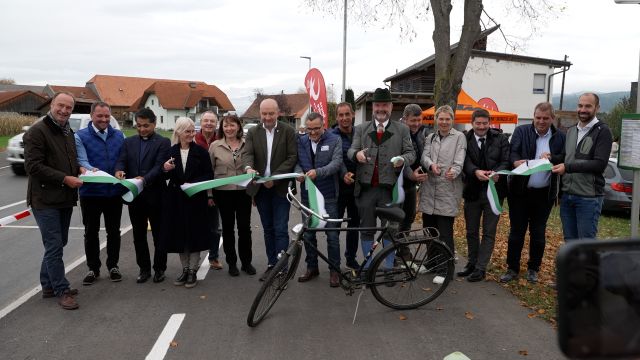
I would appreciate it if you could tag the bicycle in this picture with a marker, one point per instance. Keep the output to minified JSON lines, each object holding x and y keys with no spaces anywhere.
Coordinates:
{"x":422,"y":268}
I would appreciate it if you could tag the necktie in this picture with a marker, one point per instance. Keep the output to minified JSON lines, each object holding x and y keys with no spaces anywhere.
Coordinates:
{"x":374,"y":177}
{"x":101,"y":131}
{"x":483,"y":161}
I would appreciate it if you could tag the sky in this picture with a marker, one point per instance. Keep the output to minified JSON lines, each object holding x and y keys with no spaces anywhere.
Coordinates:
{"x":244,"y":45}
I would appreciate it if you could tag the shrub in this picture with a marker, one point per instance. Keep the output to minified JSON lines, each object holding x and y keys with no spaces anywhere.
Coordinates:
{"x":12,"y":123}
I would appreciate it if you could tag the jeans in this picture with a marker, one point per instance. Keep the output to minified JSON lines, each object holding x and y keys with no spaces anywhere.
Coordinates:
{"x":141,"y":211}
{"x":214,"y":223}
{"x":530,"y":210}
{"x":274,"y":216}
{"x":92,"y":208}
{"x":235,"y":207}
{"x":54,"y":228}
{"x":333,"y":240}
{"x":480,"y":251}
{"x":347,"y":202}
{"x":579,"y":215}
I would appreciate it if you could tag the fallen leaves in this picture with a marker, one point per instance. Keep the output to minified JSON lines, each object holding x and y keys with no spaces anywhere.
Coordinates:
{"x":523,"y":352}
{"x":402,"y":317}
{"x":173,"y":344}
{"x":469,"y":315}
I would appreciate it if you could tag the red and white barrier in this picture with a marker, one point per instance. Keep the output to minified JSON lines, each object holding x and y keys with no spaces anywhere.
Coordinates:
{"x":15,"y":217}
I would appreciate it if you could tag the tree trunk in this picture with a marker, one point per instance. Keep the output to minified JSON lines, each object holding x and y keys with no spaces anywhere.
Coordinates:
{"x":450,"y":69}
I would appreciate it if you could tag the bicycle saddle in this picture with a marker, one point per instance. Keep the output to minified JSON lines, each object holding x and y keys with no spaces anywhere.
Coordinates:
{"x":390,"y":213}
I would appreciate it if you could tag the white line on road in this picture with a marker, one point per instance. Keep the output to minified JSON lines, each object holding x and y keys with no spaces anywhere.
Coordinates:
{"x":204,"y":267}
{"x":12,"y":205}
{"x":22,"y":299}
{"x":4,"y":167}
{"x":36,"y":226}
{"x":161,"y":346}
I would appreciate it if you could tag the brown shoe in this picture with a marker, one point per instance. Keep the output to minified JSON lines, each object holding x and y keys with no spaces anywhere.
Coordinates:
{"x":215,"y":264}
{"x":334,"y":279}
{"x":310,"y":274}
{"x":67,"y":301}
{"x":48,"y":293}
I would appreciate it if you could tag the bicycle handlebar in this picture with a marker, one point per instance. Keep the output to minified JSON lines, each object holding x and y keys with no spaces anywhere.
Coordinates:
{"x":306,"y":210}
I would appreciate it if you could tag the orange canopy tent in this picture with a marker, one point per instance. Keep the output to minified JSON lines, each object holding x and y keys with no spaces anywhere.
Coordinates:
{"x":466,"y":106}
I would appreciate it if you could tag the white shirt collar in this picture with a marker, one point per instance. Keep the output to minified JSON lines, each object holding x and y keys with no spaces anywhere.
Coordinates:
{"x":383,"y":124}
{"x":274,"y":127}
{"x":589,"y":125}
{"x":98,"y":130}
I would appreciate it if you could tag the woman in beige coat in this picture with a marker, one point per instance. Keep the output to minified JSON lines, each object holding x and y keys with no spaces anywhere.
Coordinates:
{"x":443,"y":157}
{"x":232,"y":200}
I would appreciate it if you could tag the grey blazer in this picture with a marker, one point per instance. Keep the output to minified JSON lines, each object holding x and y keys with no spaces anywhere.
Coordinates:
{"x":396,"y":141}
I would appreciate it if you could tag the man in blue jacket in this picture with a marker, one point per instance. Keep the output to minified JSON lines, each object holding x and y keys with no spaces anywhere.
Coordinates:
{"x":98,"y":146}
{"x":320,"y":159}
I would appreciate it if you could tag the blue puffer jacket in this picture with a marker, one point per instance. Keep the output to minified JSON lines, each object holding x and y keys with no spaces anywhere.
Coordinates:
{"x":102,"y":155}
{"x":328,"y":161}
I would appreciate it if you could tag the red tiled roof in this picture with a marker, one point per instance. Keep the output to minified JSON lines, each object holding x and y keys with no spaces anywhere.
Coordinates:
{"x":129,"y":92}
{"x":184,"y":94}
{"x":6,"y":96}
{"x":297,"y":104}
{"x":79,"y":92}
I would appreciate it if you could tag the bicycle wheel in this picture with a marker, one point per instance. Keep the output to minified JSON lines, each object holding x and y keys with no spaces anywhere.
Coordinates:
{"x":420,"y":274}
{"x":274,"y":284}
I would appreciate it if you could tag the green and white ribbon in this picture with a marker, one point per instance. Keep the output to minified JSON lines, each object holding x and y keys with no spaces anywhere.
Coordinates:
{"x":527,"y":168}
{"x":316,"y":203}
{"x":135,"y":186}
{"x":397,"y":193}
{"x":240,"y":180}
{"x":262,"y":180}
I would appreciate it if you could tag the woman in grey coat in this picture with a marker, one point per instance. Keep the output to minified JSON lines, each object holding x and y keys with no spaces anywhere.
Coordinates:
{"x":443,"y":157}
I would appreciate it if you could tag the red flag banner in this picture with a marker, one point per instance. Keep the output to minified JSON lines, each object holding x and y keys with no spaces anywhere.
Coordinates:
{"x":314,"y":83}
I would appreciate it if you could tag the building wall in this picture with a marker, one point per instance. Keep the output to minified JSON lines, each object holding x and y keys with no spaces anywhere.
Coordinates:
{"x":509,"y":84}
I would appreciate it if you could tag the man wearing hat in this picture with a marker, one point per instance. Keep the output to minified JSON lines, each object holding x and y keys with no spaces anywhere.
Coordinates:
{"x":374,"y":144}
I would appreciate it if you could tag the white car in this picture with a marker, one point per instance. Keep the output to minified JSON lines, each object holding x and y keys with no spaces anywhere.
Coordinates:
{"x":15,"y":148}
{"x":246,"y":127}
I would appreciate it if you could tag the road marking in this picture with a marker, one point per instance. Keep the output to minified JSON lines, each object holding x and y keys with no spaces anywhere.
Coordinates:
{"x":161,"y":346}
{"x":22,"y":299}
{"x":203,"y":270}
{"x":36,"y":226}
{"x":12,"y":205}
{"x":4,"y":167}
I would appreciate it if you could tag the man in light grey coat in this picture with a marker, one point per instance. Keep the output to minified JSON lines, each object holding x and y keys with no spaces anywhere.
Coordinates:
{"x":374,"y":144}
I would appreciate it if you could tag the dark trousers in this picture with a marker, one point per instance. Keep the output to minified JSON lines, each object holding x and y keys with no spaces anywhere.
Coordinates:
{"x":92,"y":209}
{"x":530,"y":210}
{"x":140,"y":211}
{"x":235,"y":207}
{"x":409,"y":207}
{"x":346,"y":201}
{"x":274,"y":215}
{"x":214,"y":224}
{"x":444,"y":225}
{"x":475,"y":211}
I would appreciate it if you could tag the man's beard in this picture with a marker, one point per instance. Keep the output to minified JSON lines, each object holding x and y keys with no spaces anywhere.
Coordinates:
{"x":385,"y":116}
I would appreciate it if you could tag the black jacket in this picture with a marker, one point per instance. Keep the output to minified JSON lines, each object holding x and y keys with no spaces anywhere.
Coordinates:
{"x":523,"y":147}
{"x":496,"y":156}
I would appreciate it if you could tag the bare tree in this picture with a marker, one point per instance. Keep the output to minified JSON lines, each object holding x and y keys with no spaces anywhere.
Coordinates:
{"x":450,"y":67}
{"x":7,"y":81}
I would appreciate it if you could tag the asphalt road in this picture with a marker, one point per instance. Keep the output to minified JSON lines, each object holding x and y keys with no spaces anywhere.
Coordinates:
{"x":310,"y":321}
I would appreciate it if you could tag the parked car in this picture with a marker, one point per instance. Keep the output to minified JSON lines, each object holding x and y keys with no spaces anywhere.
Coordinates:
{"x":15,"y":148}
{"x":246,"y":127}
{"x":618,"y":188}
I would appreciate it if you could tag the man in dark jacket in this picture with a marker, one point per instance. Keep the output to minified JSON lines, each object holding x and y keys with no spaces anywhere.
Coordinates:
{"x":487,"y":152}
{"x":346,"y":200}
{"x":98,"y":147}
{"x":142,"y":157}
{"x":587,"y":154}
{"x":52,"y":165}
{"x":531,"y":197}
{"x":320,"y":159}
{"x":413,"y":173}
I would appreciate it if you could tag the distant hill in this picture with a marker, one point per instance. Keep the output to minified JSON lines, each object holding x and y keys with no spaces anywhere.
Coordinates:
{"x":607,"y":100}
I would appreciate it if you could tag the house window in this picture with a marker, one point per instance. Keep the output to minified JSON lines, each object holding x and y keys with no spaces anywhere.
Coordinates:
{"x":152,"y":102}
{"x":539,"y":83}
{"x":161,"y":119}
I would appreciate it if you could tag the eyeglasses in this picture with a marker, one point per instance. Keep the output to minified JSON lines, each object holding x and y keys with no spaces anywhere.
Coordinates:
{"x":314,"y":129}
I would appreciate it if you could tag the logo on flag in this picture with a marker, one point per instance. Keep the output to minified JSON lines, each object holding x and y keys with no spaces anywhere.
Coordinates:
{"x":314,"y":83}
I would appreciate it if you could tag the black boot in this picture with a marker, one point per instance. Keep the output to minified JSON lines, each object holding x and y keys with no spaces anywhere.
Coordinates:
{"x":182,"y":279}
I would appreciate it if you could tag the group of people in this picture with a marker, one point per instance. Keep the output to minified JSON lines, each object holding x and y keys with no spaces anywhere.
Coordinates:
{"x":354,"y":167}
